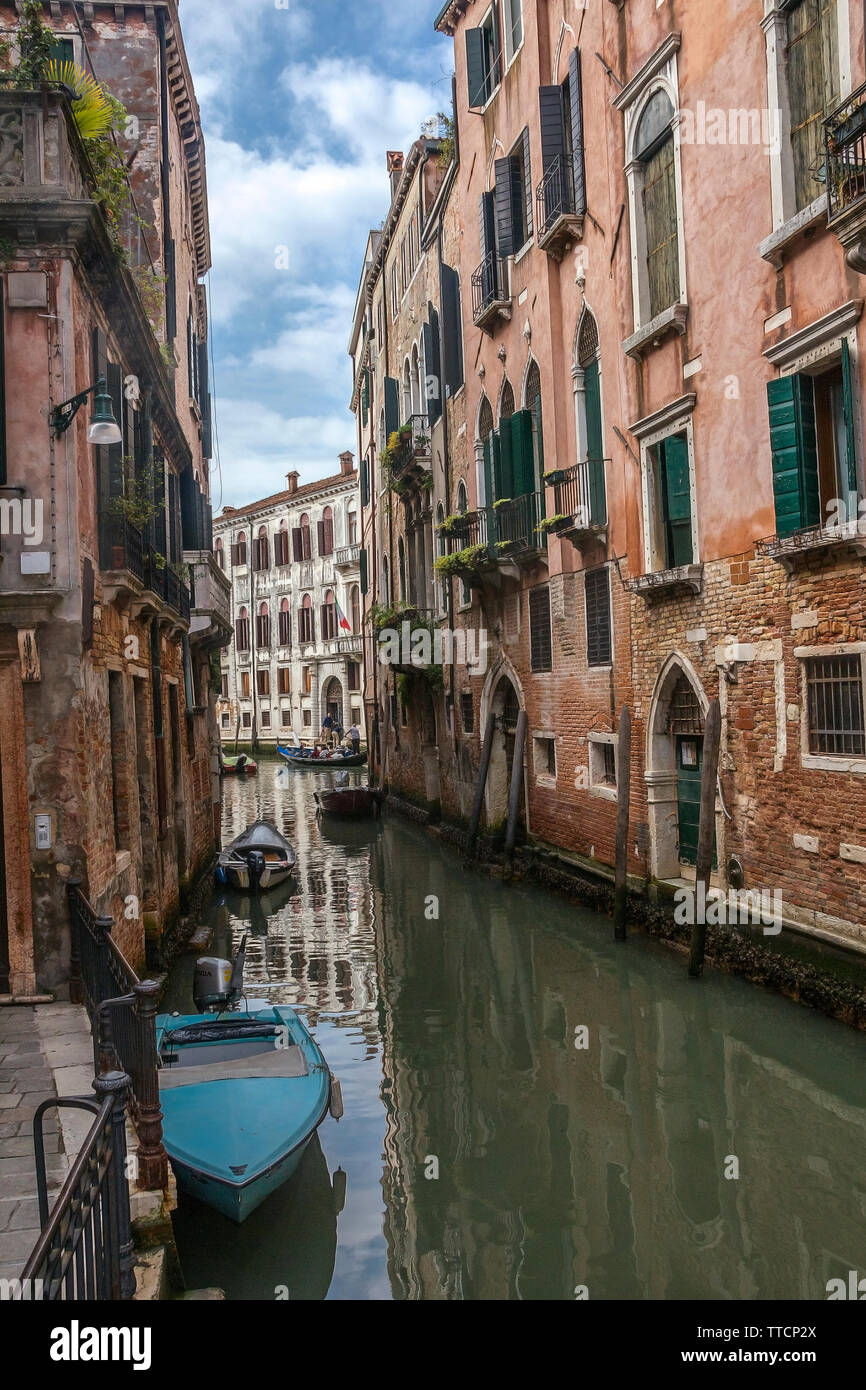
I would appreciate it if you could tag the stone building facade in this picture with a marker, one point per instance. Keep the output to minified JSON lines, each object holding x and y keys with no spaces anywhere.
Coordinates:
{"x":663,"y":451}
{"x":112,"y":607}
{"x":293,"y":561}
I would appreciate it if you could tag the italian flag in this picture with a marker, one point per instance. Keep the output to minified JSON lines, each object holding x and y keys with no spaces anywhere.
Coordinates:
{"x":341,"y":617}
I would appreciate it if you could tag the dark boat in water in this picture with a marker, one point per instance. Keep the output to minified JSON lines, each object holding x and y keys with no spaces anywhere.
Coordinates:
{"x":350,"y":802}
{"x":257,"y":860}
{"x":241,"y":766}
{"x":304,"y":760}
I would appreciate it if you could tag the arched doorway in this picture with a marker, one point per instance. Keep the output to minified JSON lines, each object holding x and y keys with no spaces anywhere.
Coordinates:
{"x":505,"y":705}
{"x":334,"y":701}
{"x":675,"y":742}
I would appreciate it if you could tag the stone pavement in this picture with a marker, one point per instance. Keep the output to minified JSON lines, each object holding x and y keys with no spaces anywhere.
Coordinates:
{"x":44,"y":1052}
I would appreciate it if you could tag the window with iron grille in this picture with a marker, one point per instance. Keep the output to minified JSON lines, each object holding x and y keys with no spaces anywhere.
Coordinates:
{"x":540,"y":643}
{"x":598,"y":625}
{"x":835,"y":700}
{"x":286,"y":718}
{"x":247,"y":720}
{"x":226,"y":720}
{"x":684,"y":715}
{"x":266,"y":719}
{"x":467,"y":712}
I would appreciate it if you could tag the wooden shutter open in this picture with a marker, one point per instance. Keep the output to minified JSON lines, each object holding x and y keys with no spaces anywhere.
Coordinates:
{"x":392,"y":406}
{"x":320,"y":537}
{"x":526,"y":191}
{"x":235,"y":553}
{"x":452,"y":328}
{"x":552,"y":124}
{"x":848,"y":408}
{"x":677,"y":501}
{"x":522,"y":454}
{"x":791,"y":403}
{"x":575,"y":97}
{"x":476,"y":67}
{"x":362,"y":567}
{"x":594,"y":444}
{"x":297,"y":543}
{"x":507,"y":173}
{"x":433,"y":384}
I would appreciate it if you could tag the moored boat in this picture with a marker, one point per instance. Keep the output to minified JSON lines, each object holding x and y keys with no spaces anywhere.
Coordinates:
{"x":349,"y":802}
{"x":240,"y":766}
{"x":305,"y":760}
{"x":241,"y":1094}
{"x":257,"y":860}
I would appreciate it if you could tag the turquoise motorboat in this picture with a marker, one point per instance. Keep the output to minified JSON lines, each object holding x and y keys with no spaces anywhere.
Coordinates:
{"x":241,"y":1093}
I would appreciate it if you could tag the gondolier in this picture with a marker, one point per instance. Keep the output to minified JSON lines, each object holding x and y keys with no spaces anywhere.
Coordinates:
{"x":327,"y":729}
{"x":355,"y":735}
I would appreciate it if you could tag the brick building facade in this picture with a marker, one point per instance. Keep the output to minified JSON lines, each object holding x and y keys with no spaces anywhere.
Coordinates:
{"x":110,"y":615}
{"x":663,"y":444}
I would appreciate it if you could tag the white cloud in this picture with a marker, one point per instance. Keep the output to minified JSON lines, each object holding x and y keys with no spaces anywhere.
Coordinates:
{"x":314,"y":344}
{"x":368,"y":111}
{"x":259,"y":446}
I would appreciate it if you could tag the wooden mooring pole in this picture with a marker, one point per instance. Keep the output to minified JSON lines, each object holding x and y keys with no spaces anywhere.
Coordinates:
{"x":706,"y":835}
{"x":486,"y":751}
{"x":516,"y":786}
{"x":623,"y":789}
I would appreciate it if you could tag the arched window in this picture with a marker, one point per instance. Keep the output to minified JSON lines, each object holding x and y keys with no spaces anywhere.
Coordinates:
{"x":329,"y":617}
{"x":382,"y":439}
{"x":240,"y":557}
{"x":281,"y":544}
{"x":386,"y":586}
{"x":407,"y":390}
{"x":416,"y":382}
{"x":485,"y":420}
{"x":351,"y":526}
{"x":442,"y":549}
{"x":462,"y":501}
{"x":355,"y":602}
{"x":261,"y":549}
{"x":401,"y":566}
{"x":653,"y":160}
{"x":306,"y":542}
{"x":219,"y":554}
{"x":326,"y":532}
{"x":242,"y":631}
{"x":532,"y":402}
{"x":263,"y":627}
{"x":306,"y":621}
{"x":590,"y":435}
{"x":285,"y":624}
{"x":506,"y":400}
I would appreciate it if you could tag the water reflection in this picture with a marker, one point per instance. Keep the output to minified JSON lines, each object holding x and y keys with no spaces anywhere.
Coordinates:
{"x":558,"y":1165}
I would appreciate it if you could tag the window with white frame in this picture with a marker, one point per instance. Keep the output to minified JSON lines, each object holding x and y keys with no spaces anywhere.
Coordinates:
{"x":484,"y":59}
{"x":512,"y":20}
{"x":834,"y":706}
{"x":544,"y":758}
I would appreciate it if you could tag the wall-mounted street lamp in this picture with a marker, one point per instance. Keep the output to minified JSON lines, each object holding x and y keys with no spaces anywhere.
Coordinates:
{"x":103,"y":428}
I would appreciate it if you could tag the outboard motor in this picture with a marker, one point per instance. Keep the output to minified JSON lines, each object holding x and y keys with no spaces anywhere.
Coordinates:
{"x":216,"y":983}
{"x":256,"y":866}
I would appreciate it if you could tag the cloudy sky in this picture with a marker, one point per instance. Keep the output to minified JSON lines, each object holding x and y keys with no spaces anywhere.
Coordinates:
{"x":300,"y":100}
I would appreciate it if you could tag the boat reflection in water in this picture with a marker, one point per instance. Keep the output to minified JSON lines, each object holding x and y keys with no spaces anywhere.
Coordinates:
{"x":452,"y":1008}
{"x":285,"y":1249}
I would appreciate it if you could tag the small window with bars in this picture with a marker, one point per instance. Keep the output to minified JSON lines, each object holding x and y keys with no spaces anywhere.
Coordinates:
{"x":835,"y":705}
{"x":467,"y":712}
{"x":598,"y":625}
{"x":540,"y":644}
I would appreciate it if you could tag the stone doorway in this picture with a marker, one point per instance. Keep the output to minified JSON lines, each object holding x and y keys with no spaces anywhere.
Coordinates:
{"x":675,"y":739}
{"x":334,"y":702}
{"x":505,"y":705}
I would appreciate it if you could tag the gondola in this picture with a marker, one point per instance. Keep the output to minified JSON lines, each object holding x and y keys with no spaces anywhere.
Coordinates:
{"x":335,"y":762}
{"x":349,"y":802}
{"x":257,"y":860}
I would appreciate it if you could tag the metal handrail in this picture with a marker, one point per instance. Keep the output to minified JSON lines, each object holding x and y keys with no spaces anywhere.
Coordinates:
{"x":845,"y":153}
{"x":578,"y":495}
{"x":554,"y":196}
{"x":489,"y":285}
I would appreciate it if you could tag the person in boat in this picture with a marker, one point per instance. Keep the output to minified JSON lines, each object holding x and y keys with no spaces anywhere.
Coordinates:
{"x":354,"y":735}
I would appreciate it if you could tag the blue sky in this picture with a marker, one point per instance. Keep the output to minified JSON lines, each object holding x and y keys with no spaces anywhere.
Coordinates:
{"x":299,"y":105}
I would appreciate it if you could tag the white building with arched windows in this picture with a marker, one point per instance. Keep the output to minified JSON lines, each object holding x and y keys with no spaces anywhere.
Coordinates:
{"x":294,"y":564}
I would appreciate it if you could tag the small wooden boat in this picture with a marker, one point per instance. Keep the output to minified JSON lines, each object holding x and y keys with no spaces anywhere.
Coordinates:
{"x":257,"y":860}
{"x":350,"y":802}
{"x":241,"y":1093}
{"x":334,"y":762}
{"x":241,"y":766}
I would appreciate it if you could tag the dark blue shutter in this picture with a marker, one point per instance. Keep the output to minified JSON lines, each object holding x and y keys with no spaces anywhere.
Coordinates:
{"x":365,"y":482}
{"x":452,"y":329}
{"x":392,"y":406}
{"x":575,"y":94}
{"x":791,"y":402}
{"x":526,"y":191}
{"x":506,"y":172}
{"x":362,"y":568}
{"x":433,"y":385}
{"x":552,"y":123}
{"x":476,"y":66}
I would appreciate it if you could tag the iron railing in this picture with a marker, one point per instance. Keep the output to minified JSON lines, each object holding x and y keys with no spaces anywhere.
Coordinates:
{"x":508,"y":528}
{"x":160,"y":579}
{"x":122,"y":1011}
{"x":845,"y":151}
{"x":413,"y":448}
{"x":489,"y":285}
{"x":121,"y":546}
{"x":85,"y":1250}
{"x":554,"y":196}
{"x":579,"y":492}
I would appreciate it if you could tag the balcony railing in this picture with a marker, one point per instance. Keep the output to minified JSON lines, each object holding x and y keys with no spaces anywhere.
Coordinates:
{"x":579,"y":493}
{"x":508,"y":530}
{"x":411,"y":453}
{"x":490,"y":293}
{"x":347,"y":556}
{"x":121,"y":547}
{"x":845,"y":172}
{"x":558,"y":220}
{"x":161,"y":580}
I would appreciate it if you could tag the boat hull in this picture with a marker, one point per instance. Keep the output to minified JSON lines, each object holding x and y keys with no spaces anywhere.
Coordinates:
{"x":322,"y":764}
{"x":350,"y":802}
{"x":230,"y":1199}
{"x":238,"y":876}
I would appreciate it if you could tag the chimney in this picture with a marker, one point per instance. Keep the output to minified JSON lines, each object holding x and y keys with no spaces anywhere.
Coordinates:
{"x":395,"y":169}
{"x":292,"y":482}
{"x":347,"y":462}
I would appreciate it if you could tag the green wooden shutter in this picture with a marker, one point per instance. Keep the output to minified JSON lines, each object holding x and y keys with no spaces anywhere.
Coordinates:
{"x":365,"y":482}
{"x":594,"y":445}
{"x":526,"y":190}
{"x":500,"y":444}
{"x":392,"y":406}
{"x":489,"y":494}
{"x":432,"y":386}
{"x":848,"y":407}
{"x":523,"y":456}
{"x":476,"y":66}
{"x":365,"y":396}
{"x":791,"y":403}
{"x":362,"y":567}
{"x":452,"y":329}
{"x":677,"y":503}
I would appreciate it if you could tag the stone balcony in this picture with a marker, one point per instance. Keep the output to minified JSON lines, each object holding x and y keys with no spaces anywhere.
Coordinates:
{"x":347,"y":557}
{"x":210,"y":622}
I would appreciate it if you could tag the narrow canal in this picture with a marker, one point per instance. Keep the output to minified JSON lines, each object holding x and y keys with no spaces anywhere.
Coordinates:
{"x":611,"y":1166}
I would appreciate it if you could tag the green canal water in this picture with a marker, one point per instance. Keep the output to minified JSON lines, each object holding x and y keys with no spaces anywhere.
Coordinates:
{"x":484,"y":1154}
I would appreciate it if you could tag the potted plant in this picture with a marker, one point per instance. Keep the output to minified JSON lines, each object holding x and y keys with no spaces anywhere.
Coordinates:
{"x":554,"y":524}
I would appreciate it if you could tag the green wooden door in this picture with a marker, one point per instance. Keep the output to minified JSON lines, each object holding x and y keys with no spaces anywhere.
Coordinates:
{"x":594,"y":444}
{"x":677,"y":502}
{"x":690,"y":757}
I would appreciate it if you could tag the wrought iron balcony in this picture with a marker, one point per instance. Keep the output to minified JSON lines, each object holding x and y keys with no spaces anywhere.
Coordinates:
{"x":845,"y":172}
{"x":580,"y":503}
{"x":558,"y":222}
{"x":491,"y":296}
{"x":121,"y":548}
{"x":408,"y":459}
{"x":513,"y":527}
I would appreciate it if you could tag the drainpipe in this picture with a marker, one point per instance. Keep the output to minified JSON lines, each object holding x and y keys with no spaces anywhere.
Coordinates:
{"x":165,"y":187}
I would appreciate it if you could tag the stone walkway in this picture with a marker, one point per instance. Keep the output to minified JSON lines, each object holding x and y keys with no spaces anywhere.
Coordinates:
{"x":44,"y":1052}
